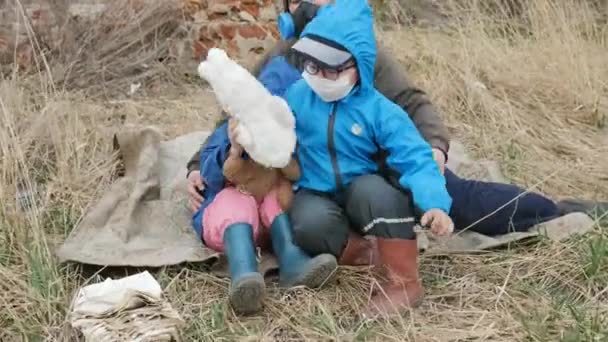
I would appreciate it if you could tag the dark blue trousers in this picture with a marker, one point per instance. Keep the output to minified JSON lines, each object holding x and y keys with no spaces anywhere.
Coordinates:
{"x":473,"y":200}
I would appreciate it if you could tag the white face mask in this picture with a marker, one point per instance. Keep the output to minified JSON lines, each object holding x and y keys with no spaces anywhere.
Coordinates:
{"x":329,"y":90}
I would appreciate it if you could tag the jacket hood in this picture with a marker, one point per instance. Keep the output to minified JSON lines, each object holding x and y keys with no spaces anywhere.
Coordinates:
{"x":349,"y":23}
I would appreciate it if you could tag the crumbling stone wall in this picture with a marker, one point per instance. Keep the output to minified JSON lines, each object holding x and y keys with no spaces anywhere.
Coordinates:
{"x":241,"y":27}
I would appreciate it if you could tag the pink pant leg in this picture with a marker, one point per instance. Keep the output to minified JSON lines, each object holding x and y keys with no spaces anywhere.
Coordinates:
{"x":230,"y":206}
{"x":270,"y":208}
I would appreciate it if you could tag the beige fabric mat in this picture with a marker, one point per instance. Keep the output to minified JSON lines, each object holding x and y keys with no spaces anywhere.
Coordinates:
{"x":143,"y":218}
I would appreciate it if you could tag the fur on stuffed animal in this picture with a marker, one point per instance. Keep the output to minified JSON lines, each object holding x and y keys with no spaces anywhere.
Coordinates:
{"x":266,"y":124}
{"x":266,"y":130}
{"x":254,"y":179}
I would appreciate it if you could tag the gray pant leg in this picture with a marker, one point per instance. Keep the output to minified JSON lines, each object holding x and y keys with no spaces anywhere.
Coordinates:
{"x":377,"y":208}
{"x":319,"y":224}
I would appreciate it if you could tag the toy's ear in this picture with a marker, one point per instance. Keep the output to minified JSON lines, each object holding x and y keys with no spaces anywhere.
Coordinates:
{"x":212,"y":64}
{"x":203,"y":70}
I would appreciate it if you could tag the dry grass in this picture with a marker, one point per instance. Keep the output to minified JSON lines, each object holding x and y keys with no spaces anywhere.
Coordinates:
{"x":530,"y":94}
{"x":129,"y":42}
{"x":541,"y":111}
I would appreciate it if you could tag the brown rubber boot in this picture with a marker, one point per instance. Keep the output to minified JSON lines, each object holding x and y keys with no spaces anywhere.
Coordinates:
{"x":359,"y":252}
{"x":402,"y":289}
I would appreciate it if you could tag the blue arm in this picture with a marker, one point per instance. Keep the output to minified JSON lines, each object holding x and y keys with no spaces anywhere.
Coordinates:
{"x":212,"y":157}
{"x":412,"y":157}
{"x":278,"y":75}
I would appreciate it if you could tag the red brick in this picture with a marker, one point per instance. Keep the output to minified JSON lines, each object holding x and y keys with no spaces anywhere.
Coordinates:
{"x":253,"y":9}
{"x":204,"y":42}
{"x":198,"y":49}
{"x":232,"y":49}
{"x":201,"y":48}
{"x":227,"y":31}
{"x":252,"y":31}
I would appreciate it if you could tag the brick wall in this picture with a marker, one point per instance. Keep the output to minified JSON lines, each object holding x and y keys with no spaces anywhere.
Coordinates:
{"x":244,"y":28}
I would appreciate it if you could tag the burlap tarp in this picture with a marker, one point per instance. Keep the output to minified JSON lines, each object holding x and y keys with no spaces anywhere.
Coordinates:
{"x":143,"y":219}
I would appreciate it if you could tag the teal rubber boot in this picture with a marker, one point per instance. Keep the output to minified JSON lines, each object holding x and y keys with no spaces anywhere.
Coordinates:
{"x":247,"y":287}
{"x":297,"y":268}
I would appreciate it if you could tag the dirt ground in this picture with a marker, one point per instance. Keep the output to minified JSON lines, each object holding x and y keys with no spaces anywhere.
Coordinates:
{"x":528,"y":89}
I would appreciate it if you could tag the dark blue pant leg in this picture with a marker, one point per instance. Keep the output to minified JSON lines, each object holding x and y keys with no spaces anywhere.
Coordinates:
{"x":473,"y":200}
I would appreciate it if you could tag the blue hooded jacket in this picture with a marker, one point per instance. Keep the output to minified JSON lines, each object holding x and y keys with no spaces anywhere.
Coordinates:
{"x":337,"y":141}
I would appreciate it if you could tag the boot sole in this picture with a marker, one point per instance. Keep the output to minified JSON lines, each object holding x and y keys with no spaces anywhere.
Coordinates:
{"x":318,"y":272}
{"x":248,"y":293}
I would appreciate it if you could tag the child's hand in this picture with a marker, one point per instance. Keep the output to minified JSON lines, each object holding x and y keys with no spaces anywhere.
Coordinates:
{"x":441,"y":224}
{"x":292,"y":170}
{"x":195,"y":186}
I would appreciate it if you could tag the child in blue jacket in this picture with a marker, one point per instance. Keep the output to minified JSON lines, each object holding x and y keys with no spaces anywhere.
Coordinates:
{"x":235,"y":223}
{"x":488,"y":208}
{"x":342,"y":122}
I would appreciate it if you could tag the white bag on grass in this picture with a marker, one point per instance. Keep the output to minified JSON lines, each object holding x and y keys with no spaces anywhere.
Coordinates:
{"x":127,"y":309}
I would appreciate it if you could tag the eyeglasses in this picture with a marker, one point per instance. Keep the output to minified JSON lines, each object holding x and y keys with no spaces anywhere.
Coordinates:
{"x":329,"y":73}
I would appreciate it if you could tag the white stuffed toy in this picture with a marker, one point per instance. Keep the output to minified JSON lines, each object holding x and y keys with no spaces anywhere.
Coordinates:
{"x":266,"y":127}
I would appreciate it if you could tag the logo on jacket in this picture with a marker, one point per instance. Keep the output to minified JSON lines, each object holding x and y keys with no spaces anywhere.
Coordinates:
{"x":356,"y":129}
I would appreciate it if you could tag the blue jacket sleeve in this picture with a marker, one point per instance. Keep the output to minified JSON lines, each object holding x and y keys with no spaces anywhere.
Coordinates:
{"x":412,"y":157}
{"x":212,"y":158}
{"x":278,"y":75}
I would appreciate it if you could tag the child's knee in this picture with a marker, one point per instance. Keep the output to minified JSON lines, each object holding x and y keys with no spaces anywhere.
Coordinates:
{"x":234,"y":206}
{"x":270,"y":208}
{"x":229,"y":207}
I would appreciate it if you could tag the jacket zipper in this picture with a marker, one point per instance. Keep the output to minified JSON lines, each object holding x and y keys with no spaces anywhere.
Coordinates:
{"x":331,"y":145}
